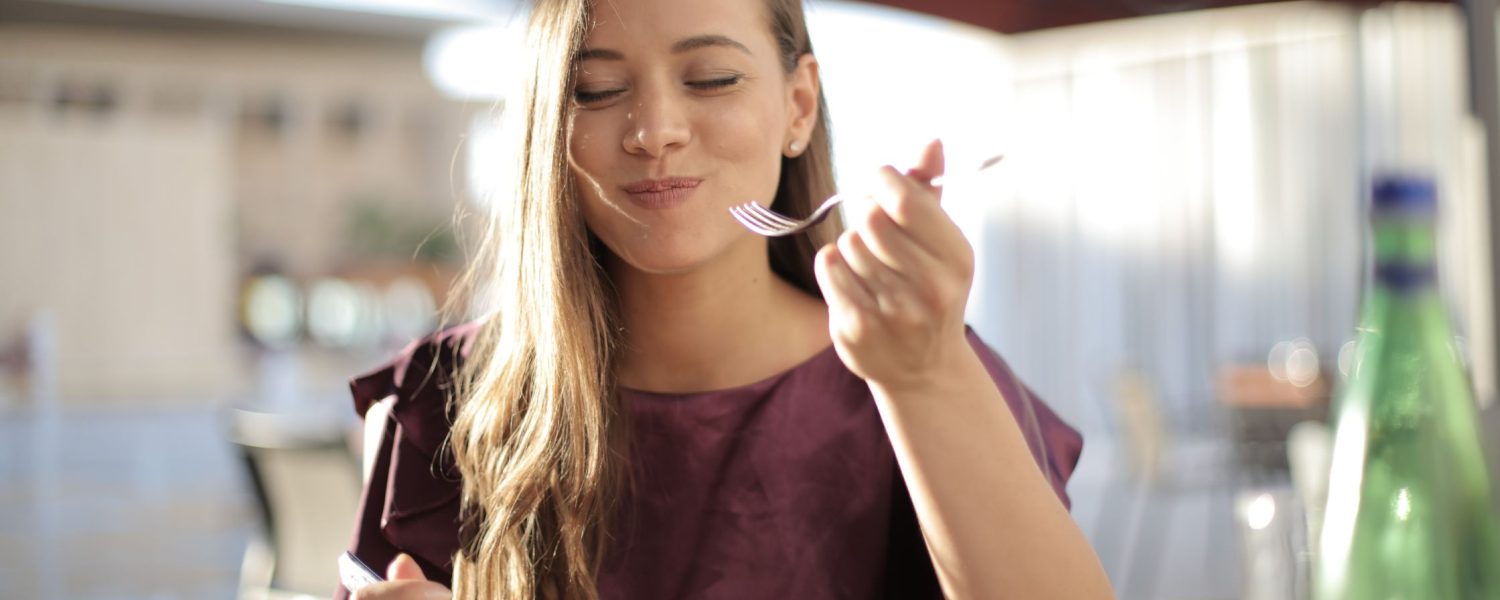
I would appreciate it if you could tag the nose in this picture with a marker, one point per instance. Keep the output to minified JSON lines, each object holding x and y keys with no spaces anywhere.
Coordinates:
{"x":657,"y":124}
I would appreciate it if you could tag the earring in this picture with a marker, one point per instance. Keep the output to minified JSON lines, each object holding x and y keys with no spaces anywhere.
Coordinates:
{"x":795,"y":146}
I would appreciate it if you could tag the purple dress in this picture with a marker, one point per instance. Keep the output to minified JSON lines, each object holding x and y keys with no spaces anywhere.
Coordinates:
{"x":783,"y":488}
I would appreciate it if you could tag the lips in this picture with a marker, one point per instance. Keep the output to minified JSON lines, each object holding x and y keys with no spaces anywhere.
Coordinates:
{"x":661,"y":193}
{"x":662,"y":185}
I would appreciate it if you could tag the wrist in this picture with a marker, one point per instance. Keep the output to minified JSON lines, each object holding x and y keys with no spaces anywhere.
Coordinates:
{"x":951,"y":366}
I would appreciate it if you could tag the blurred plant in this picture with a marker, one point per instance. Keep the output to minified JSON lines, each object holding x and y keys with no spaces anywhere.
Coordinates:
{"x":376,"y":229}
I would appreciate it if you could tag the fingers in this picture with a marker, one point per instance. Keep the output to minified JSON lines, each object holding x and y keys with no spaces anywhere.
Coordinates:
{"x":896,"y":281}
{"x":403,"y":590}
{"x":913,"y":207}
{"x":841,"y":287}
{"x":876,"y":276}
{"x":914,"y":204}
{"x":903,"y":257}
{"x":894,"y":294}
{"x":893,"y":246}
{"x":930,"y":165}
{"x":404,"y":581}
{"x":404,"y":567}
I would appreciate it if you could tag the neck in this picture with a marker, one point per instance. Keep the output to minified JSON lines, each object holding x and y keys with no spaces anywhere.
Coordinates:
{"x":727,"y":323}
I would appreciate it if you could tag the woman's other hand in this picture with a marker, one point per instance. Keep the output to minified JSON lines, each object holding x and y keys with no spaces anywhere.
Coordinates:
{"x":404,"y":581}
{"x":897,"y":281}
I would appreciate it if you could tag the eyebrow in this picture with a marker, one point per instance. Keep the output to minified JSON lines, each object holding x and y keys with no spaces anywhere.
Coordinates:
{"x":707,"y":41}
{"x":685,"y":45}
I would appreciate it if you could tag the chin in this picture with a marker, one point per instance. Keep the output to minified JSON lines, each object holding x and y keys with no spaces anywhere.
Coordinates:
{"x":663,"y":260}
{"x":672,"y":254}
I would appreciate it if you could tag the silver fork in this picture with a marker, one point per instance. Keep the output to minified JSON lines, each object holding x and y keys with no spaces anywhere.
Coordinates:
{"x":764,"y":221}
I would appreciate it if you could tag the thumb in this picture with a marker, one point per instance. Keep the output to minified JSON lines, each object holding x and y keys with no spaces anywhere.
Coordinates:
{"x":404,"y":567}
{"x":930,"y":165}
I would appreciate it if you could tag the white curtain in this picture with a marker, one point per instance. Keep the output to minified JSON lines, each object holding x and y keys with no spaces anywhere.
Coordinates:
{"x":1181,"y":192}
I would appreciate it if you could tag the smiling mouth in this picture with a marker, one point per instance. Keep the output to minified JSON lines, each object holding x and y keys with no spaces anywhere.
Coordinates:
{"x":661,"y":193}
{"x":662,"y":185}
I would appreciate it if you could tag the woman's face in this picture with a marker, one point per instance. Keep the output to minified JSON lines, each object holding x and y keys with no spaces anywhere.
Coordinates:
{"x":682,"y":110}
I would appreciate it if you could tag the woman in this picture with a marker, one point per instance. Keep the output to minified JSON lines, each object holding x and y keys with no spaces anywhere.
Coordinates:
{"x":576,"y":453}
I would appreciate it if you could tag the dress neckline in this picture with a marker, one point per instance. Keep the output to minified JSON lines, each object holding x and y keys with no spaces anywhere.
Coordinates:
{"x":756,"y":386}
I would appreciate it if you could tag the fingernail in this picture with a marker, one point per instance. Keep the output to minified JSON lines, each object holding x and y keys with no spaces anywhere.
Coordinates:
{"x":393,"y":570}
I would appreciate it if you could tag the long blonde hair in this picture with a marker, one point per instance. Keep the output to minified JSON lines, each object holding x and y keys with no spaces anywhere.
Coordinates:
{"x":538,"y":434}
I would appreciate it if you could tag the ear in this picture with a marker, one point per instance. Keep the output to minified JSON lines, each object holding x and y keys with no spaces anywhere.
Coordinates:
{"x":802,"y":105}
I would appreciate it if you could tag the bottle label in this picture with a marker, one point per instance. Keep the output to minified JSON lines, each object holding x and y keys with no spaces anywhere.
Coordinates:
{"x":1405,"y":277}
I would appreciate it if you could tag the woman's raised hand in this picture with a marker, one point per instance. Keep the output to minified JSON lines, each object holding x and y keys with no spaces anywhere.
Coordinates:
{"x":897,"y":280}
{"x":404,"y":581}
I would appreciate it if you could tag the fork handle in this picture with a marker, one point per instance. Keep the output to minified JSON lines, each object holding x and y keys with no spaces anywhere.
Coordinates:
{"x":988,"y":162}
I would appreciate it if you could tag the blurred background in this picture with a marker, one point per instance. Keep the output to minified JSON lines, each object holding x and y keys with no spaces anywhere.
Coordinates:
{"x":213,"y":213}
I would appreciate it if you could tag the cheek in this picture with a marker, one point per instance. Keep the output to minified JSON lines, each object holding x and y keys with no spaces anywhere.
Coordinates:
{"x":588,"y":160}
{"x":586,"y":144}
{"x":748,"y":138}
{"x":598,"y":214}
{"x":752,"y":129}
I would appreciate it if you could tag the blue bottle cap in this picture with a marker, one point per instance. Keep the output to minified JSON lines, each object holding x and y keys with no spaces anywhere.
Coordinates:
{"x":1404,"y":195}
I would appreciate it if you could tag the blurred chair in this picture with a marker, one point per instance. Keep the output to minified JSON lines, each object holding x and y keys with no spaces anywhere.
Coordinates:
{"x":1264,"y":408}
{"x":307,"y":484}
{"x":15,"y":372}
{"x":1309,"y":448}
{"x":28,"y":365}
{"x":1164,"y":465}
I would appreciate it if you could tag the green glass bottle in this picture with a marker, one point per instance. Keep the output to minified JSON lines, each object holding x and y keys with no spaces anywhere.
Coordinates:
{"x":1409,"y":515}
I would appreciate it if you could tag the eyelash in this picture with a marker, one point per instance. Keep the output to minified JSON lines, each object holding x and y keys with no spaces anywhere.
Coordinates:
{"x":712,"y":84}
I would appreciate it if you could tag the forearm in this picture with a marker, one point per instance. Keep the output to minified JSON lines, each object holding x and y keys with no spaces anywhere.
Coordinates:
{"x":993,"y":524}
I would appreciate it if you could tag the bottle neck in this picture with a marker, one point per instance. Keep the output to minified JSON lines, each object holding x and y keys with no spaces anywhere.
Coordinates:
{"x":1405,"y":252}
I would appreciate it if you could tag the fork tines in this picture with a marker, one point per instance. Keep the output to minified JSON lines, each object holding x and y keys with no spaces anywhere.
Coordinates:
{"x":764,"y":221}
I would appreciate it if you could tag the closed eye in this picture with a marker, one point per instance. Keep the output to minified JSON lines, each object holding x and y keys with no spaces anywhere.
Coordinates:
{"x":590,"y":97}
{"x":714,"y":84}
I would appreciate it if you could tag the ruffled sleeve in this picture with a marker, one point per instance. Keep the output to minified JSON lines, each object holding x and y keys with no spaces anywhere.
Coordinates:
{"x":410,"y":503}
{"x":1055,"y":446}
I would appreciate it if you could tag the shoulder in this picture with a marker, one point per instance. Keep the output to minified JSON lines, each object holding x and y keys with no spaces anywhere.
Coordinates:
{"x":411,"y":500}
{"x":1054,"y":444}
{"x":416,"y":368}
{"x":419,"y":377}
{"x":999,"y":370}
